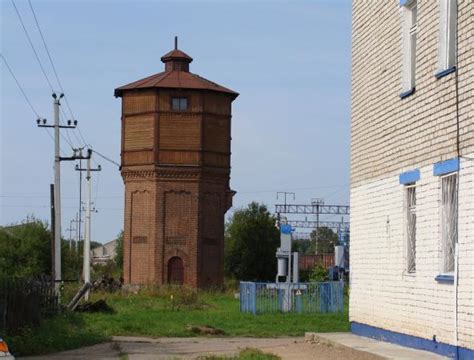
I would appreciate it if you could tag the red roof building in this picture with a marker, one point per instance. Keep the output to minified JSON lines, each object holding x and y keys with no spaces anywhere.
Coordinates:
{"x":176,"y":134}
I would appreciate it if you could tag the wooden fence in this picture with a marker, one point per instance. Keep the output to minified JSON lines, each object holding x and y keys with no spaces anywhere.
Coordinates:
{"x":25,"y":303}
{"x":307,"y":262}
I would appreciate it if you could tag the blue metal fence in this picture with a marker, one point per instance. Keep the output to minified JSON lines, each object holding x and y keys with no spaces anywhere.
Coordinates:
{"x":262,"y":298}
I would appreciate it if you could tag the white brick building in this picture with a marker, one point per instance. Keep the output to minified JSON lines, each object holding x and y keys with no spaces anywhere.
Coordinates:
{"x":412,"y":173}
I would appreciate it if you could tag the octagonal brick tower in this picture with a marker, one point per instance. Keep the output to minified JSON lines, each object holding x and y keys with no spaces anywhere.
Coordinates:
{"x":176,"y":135}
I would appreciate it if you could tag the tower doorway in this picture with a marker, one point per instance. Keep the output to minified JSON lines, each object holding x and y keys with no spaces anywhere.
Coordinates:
{"x":175,"y":271}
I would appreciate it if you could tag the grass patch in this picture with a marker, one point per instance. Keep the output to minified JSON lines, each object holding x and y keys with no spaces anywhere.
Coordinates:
{"x":245,"y":354}
{"x":154,"y":313}
{"x":62,"y":332}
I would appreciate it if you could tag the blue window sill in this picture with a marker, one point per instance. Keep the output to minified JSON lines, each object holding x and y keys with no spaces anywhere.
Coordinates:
{"x":406,"y":94}
{"x":443,"y":73}
{"x":447,"y":279}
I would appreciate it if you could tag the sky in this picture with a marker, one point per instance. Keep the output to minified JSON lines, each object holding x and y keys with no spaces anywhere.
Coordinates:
{"x":289,"y":60}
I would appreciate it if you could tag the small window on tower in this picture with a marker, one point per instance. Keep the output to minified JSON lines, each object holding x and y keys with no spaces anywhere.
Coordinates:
{"x":179,"y":103}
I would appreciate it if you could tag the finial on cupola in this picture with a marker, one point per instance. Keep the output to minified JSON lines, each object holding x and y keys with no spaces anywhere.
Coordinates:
{"x":176,"y":43}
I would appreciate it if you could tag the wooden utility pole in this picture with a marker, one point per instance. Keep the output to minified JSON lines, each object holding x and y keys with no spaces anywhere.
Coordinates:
{"x":87,"y":225}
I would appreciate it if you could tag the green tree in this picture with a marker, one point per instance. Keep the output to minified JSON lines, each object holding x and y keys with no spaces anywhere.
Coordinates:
{"x":251,"y":240}
{"x":326,"y":240}
{"x":71,"y":260}
{"x":302,"y":246}
{"x":118,"y":259}
{"x":25,"y":249}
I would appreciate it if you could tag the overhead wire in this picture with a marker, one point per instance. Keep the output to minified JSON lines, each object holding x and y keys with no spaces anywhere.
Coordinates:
{"x":106,"y":158}
{"x":294,"y":189}
{"x":96,"y":189}
{"x":27,"y":99}
{"x":32,"y":46}
{"x":67,"y":138}
{"x":19,"y":86}
{"x":40,"y":31}
{"x":45,"y":45}
{"x":81,"y":137}
{"x":40,"y":62}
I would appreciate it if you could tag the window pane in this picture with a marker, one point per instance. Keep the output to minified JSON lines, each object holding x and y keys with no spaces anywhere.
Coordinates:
{"x":411,"y":228}
{"x":183,"y":104}
{"x":449,"y":231}
{"x":179,"y":103}
{"x":175,"y":103}
{"x":414,"y":15}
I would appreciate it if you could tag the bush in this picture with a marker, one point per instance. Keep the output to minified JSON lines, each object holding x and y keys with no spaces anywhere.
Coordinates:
{"x":25,"y":249}
{"x":318,"y":274}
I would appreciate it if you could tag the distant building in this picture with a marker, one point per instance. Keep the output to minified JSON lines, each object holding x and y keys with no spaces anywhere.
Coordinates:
{"x":176,"y":135}
{"x":102,"y":254}
{"x":412,"y":174}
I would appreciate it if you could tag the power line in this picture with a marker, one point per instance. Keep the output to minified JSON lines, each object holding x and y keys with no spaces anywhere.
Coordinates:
{"x":294,"y":189}
{"x":19,"y":86}
{"x":54,"y":71}
{"x":78,"y":129}
{"x":96,"y":189}
{"x":32,"y":46}
{"x":45,"y":46}
{"x":106,"y":158}
{"x":47,"y":197}
{"x":67,"y":138}
{"x":50,"y":59}
{"x":24,"y":95}
{"x":48,"y":206}
{"x":79,"y":140}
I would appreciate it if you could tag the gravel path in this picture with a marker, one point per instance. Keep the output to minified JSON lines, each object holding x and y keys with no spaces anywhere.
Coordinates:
{"x":294,"y":348}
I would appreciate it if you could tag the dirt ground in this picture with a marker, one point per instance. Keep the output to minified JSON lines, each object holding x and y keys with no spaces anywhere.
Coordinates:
{"x":190,"y":348}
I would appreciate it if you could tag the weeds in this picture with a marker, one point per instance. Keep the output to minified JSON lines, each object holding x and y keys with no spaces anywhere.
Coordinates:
{"x":245,"y":354}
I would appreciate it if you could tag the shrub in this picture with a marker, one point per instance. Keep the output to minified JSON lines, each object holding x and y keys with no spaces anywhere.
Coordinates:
{"x":318,"y":274}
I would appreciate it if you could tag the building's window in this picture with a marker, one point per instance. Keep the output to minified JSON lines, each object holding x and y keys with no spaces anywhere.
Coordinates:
{"x":409,"y":14}
{"x":410,"y":191}
{"x":449,"y":224}
{"x":179,"y":103}
{"x":447,"y":36}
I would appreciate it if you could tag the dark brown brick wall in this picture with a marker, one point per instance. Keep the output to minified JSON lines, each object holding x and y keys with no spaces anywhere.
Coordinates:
{"x":175,"y":201}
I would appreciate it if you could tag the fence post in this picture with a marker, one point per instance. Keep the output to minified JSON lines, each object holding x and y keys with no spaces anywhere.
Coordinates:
{"x":298,"y":300}
{"x":324,"y":291}
{"x":341,"y":296}
{"x":253,"y":298}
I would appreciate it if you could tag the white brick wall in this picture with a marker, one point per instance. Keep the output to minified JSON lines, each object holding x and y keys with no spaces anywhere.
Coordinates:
{"x":382,"y":293}
{"x":390,"y":136}
{"x":389,"y":133}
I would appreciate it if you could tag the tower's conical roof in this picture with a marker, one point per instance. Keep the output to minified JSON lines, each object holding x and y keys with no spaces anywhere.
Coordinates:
{"x":175,"y":76}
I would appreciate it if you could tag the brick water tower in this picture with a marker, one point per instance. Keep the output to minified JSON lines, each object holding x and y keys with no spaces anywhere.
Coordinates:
{"x":176,"y":134}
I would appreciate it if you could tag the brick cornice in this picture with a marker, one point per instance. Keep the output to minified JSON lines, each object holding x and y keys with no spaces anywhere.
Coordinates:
{"x":175,"y":173}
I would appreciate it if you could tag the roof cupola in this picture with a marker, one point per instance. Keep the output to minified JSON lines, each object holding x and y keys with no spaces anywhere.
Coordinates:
{"x":176,"y":60}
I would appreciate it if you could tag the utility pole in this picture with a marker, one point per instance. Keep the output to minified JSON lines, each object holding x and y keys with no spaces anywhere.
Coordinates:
{"x":87,"y":227}
{"x":318,"y":203}
{"x":80,"y":194}
{"x":285,"y":193}
{"x":71,"y":229}
{"x":77,"y":235}
{"x":57,"y":185}
{"x":53,"y":226}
